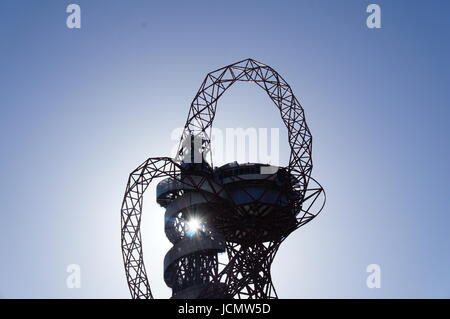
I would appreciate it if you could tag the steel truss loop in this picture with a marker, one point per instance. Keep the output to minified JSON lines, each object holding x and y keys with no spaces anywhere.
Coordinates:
{"x":203,"y":109}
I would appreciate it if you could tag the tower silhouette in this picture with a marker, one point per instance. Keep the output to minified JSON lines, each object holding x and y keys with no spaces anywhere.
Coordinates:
{"x":239,"y":211}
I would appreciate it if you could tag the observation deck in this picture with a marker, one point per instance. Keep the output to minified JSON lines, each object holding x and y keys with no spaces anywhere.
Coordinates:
{"x":206,"y":209}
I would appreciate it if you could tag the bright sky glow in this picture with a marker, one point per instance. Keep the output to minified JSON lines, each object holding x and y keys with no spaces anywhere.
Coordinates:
{"x":193,"y":226}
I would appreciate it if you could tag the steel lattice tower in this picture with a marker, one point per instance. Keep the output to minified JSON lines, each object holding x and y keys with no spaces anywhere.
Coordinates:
{"x":241,"y":211}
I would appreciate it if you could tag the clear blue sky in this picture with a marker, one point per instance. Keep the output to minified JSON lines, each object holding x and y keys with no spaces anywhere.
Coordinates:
{"x":81,"y":108}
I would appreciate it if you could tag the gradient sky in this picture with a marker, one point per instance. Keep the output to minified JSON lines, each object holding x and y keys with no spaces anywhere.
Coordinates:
{"x":82,"y":108}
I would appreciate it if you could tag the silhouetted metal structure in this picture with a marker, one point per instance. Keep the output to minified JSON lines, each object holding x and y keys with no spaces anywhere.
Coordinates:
{"x":240,"y":211}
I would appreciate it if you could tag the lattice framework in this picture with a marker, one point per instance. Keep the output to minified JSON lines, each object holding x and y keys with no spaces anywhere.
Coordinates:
{"x":307,"y":204}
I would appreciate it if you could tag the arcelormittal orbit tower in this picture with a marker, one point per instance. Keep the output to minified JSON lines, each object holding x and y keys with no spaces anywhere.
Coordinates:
{"x":242,"y":212}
